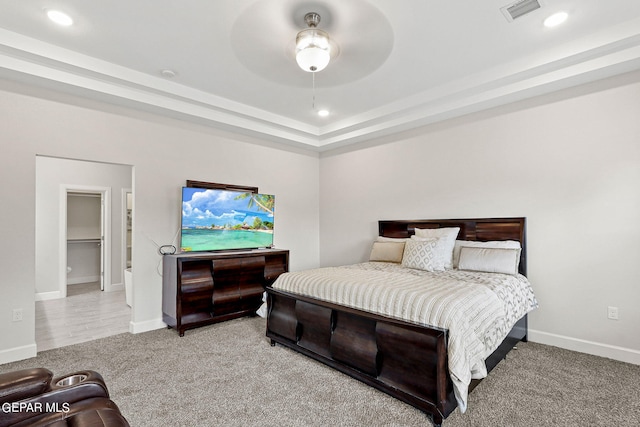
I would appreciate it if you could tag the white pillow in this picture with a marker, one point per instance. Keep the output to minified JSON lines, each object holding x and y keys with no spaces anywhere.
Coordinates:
{"x":448,"y":234}
{"x":391,"y":239}
{"x":489,"y":260}
{"x":441,"y":250}
{"x":421,"y":255}
{"x":497,"y":244}
{"x":387,"y":251}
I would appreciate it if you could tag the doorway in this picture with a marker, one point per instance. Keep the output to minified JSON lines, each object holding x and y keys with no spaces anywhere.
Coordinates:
{"x":127,"y":242}
{"x":86,"y":257}
{"x":80,"y":291}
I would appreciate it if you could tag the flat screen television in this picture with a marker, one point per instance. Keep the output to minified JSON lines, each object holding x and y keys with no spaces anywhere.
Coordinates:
{"x":214,"y":220}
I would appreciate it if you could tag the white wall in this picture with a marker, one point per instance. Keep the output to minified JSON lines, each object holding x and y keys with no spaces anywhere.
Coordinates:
{"x":569,"y":162}
{"x":83,"y":210}
{"x":164,"y":153}
{"x":52,"y":176}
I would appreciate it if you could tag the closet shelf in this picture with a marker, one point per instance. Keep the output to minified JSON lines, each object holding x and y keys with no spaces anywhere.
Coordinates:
{"x":90,"y":240}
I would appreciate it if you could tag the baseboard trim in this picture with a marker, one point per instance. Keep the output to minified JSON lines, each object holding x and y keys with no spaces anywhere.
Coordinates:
{"x":116,"y":287}
{"x":18,"y":353}
{"x":146,"y":326}
{"x":45,"y":296}
{"x":82,"y":279}
{"x":622,"y":354}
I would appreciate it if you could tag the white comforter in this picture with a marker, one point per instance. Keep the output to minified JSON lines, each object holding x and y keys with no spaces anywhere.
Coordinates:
{"x":478,"y":309}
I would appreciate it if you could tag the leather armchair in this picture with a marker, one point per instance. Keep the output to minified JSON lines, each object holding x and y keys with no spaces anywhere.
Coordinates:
{"x":32,"y":397}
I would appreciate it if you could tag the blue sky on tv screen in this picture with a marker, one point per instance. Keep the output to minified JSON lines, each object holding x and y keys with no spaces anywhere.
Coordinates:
{"x":204,"y":208}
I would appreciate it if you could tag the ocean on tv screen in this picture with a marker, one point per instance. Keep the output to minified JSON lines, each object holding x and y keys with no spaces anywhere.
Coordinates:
{"x":219,"y":239}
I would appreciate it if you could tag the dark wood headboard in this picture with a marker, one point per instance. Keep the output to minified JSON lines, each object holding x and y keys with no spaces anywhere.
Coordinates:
{"x":480,"y":229}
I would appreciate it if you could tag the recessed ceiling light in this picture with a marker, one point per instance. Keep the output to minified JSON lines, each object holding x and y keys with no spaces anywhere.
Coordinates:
{"x":60,"y":18}
{"x":168,"y":73}
{"x":323,"y":113}
{"x":556,"y":19}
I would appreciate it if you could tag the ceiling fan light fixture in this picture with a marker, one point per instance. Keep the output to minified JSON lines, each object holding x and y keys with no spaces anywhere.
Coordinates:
{"x":313,"y":50}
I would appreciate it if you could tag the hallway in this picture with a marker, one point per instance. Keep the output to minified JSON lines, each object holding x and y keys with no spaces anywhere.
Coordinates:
{"x":86,"y":314}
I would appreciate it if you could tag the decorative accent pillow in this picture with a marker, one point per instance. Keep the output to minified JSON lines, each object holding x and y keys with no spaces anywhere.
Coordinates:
{"x":421,"y":255}
{"x":448,"y":234}
{"x":489,"y":260}
{"x":493,"y":244}
{"x":387,"y":251}
{"x":441,"y":250}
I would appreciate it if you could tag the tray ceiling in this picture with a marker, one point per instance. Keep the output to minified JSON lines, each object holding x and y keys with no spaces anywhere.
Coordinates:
{"x":400,"y":65}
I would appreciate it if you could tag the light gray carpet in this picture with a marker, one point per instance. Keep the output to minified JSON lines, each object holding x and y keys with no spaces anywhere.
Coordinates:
{"x":228,"y":375}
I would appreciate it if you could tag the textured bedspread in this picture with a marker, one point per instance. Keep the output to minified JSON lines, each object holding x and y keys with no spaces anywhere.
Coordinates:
{"x":478,"y":309}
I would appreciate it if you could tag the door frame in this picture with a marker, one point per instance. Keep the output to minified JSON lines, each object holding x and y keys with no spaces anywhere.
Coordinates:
{"x":125,"y":192}
{"x":105,"y":262}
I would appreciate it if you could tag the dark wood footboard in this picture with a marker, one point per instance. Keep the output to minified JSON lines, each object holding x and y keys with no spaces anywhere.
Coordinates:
{"x":405,"y":360}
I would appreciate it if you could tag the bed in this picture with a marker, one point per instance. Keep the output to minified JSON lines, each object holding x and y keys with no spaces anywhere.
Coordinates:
{"x":417,"y":355}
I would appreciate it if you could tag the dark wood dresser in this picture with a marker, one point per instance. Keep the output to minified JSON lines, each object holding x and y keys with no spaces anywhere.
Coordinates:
{"x":203,"y":288}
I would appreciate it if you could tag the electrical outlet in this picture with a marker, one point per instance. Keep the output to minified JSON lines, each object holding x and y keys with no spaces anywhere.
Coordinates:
{"x":612,"y":313}
{"x":17,"y":315}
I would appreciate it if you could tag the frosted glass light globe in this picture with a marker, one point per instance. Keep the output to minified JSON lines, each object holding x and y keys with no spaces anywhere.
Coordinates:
{"x":312,"y":50}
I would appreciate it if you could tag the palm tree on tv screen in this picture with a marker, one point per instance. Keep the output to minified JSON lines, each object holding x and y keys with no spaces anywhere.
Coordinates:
{"x":264,"y":202}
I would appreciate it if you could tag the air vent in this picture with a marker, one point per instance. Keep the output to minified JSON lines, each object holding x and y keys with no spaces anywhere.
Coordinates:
{"x":520,"y":8}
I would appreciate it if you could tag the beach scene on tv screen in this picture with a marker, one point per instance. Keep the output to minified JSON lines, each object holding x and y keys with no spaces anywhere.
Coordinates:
{"x":219,"y":219}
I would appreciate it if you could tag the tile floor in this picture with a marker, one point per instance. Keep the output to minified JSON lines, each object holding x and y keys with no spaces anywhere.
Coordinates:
{"x":86,"y":314}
